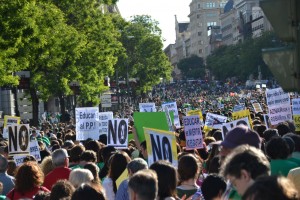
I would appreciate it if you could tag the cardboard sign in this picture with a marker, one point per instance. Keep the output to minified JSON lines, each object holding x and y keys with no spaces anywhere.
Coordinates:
{"x":9,"y":120}
{"x":296,"y":106}
{"x":230,"y":125}
{"x":277,"y":97}
{"x":193,"y":133}
{"x":147,"y":107}
{"x":156,"y":120}
{"x":161,"y":145}
{"x":296,"y":119}
{"x":18,"y":139}
{"x":280,"y":113}
{"x":117,"y":133}
{"x":239,"y":107}
{"x":168,"y":117}
{"x":34,"y":151}
{"x":87,"y":123}
{"x":173,"y":107}
{"x":241,"y":114}
{"x":103,"y":121}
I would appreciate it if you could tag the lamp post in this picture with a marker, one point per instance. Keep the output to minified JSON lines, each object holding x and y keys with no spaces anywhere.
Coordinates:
{"x":127,"y":75}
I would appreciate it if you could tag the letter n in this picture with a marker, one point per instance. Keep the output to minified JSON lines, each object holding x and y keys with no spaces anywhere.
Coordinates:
{"x":156,"y":148}
{"x":112,"y":131}
{"x":12,"y":138}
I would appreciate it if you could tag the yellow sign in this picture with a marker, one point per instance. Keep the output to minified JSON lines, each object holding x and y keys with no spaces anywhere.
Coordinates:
{"x":296,"y":119}
{"x":122,"y":177}
{"x":195,"y":112}
{"x":161,"y":145}
{"x":241,"y":114}
{"x":10,"y":120}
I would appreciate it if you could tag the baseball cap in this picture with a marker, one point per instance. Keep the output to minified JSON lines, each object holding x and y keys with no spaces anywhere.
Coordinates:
{"x":241,"y":135}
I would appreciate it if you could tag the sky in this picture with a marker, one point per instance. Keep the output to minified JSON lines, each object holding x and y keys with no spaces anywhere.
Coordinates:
{"x":162,"y":11}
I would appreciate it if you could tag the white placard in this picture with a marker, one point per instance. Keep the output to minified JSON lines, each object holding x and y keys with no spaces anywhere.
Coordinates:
{"x":280,"y":113}
{"x":105,"y":100}
{"x":296,"y":106}
{"x":103,"y":121}
{"x":117,"y":133}
{"x":214,"y":121}
{"x":18,"y":139}
{"x":34,"y":151}
{"x":257,"y":107}
{"x":230,"y":125}
{"x":147,"y":107}
{"x":87,"y":123}
{"x":193,"y":133}
{"x":277,"y":97}
{"x":173,"y":107}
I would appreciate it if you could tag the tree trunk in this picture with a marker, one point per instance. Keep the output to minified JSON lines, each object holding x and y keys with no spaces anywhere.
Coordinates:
{"x":62,"y":104}
{"x":35,"y":107}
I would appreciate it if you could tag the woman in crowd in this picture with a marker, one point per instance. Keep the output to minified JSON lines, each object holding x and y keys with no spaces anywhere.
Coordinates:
{"x":167,"y":180}
{"x":117,"y":164}
{"x":29,"y":178}
{"x":79,"y":176}
{"x":188,"y":171}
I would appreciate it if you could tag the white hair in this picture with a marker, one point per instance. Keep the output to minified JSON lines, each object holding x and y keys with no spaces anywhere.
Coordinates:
{"x":80,"y":176}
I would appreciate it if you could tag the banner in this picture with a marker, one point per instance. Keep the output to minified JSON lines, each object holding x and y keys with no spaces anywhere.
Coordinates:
{"x":117,"y":133}
{"x":87,"y":123}
{"x":18,"y":139}
{"x":196,"y":112}
{"x":230,"y":125}
{"x":34,"y":151}
{"x":103,"y":121}
{"x":147,"y":107}
{"x":214,"y":121}
{"x":193,"y":133}
{"x":257,"y":108}
{"x":277,"y":97}
{"x":173,"y":107}
{"x":280,"y":113}
{"x":237,"y":108}
{"x":161,"y":145}
{"x":241,"y":114}
{"x":156,"y":120}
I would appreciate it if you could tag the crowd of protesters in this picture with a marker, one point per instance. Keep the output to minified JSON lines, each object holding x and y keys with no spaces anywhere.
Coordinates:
{"x":262,"y":163}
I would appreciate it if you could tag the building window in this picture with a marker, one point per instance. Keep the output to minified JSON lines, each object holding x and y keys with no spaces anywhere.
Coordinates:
{"x":200,"y":51}
{"x":198,"y":16}
{"x":210,"y":5}
{"x":200,"y":24}
{"x":222,"y":5}
{"x":200,"y":42}
{"x":199,"y":6}
{"x":211,"y":24}
{"x":211,"y":14}
{"x":199,"y":33}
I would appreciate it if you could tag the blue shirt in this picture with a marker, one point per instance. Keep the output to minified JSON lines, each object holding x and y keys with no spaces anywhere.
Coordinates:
{"x":8,"y":182}
{"x":122,"y":192}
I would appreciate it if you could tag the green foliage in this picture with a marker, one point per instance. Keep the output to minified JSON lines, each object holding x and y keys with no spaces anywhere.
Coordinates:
{"x":241,"y":60}
{"x":192,"y":67}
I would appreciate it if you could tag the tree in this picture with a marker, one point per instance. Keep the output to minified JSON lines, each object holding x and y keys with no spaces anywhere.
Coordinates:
{"x":192,"y":67}
{"x":144,"y":59}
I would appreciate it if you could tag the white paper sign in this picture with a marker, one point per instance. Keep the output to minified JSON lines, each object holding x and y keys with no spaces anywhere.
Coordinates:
{"x":87,"y":123}
{"x":214,"y":121}
{"x":34,"y":151}
{"x":173,"y":107}
{"x":103,"y":121}
{"x":280,"y":113}
{"x":257,"y":107}
{"x":296,"y":106}
{"x":147,"y":107}
{"x":117,"y":133}
{"x":277,"y":97}
{"x":193,"y":133}
{"x":18,"y":139}
{"x":230,"y":125}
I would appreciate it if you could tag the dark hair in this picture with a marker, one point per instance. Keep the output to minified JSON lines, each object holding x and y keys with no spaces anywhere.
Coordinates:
{"x":86,"y":191}
{"x":28,"y":176}
{"x":277,"y":148}
{"x":283,"y":128}
{"x":42,"y":195}
{"x":88,"y":156}
{"x":212,"y":185}
{"x":95,"y":171}
{"x":187,"y":167}
{"x":271,"y":188}
{"x":76,"y":152}
{"x":94,"y":146}
{"x":269,"y":133}
{"x":167,"y":178}
{"x":296,"y":139}
{"x":246,"y":158}
{"x":61,"y":189}
{"x":117,"y":165}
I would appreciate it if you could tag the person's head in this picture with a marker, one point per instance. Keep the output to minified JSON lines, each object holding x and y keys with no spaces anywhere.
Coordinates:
{"x":79,"y":176}
{"x":106,"y":153}
{"x":3,"y":164}
{"x":296,"y":139}
{"x":47,"y":165}
{"x":238,"y":136}
{"x":11,"y":168}
{"x":118,"y":163}
{"x":269,"y":133}
{"x":60,"y":158}
{"x":41,"y":195}
{"x":277,"y":148}
{"x":243,"y":166}
{"x":213,"y":186}
{"x":75,"y":153}
{"x":271,"y":188}
{"x":136,"y":164}
{"x":93,"y":145}
{"x":143,"y":149}
{"x":88,"y":156}
{"x":62,"y":189}
{"x":290,"y":143}
{"x":95,"y":171}
{"x":85,"y":191}
{"x":143,"y":185}
{"x":283,"y":128}
{"x":188,"y":167}
{"x":167,"y":178}
{"x":28,"y":176}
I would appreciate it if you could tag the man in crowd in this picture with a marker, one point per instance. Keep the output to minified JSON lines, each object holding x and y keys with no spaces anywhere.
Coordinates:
{"x":60,"y":161}
{"x":8,"y":181}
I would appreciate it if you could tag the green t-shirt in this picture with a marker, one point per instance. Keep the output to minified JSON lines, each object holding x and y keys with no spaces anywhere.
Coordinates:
{"x":188,"y":193}
{"x":281,"y":167}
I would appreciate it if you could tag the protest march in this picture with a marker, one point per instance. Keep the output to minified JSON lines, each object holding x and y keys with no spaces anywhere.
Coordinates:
{"x":184,"y":142}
